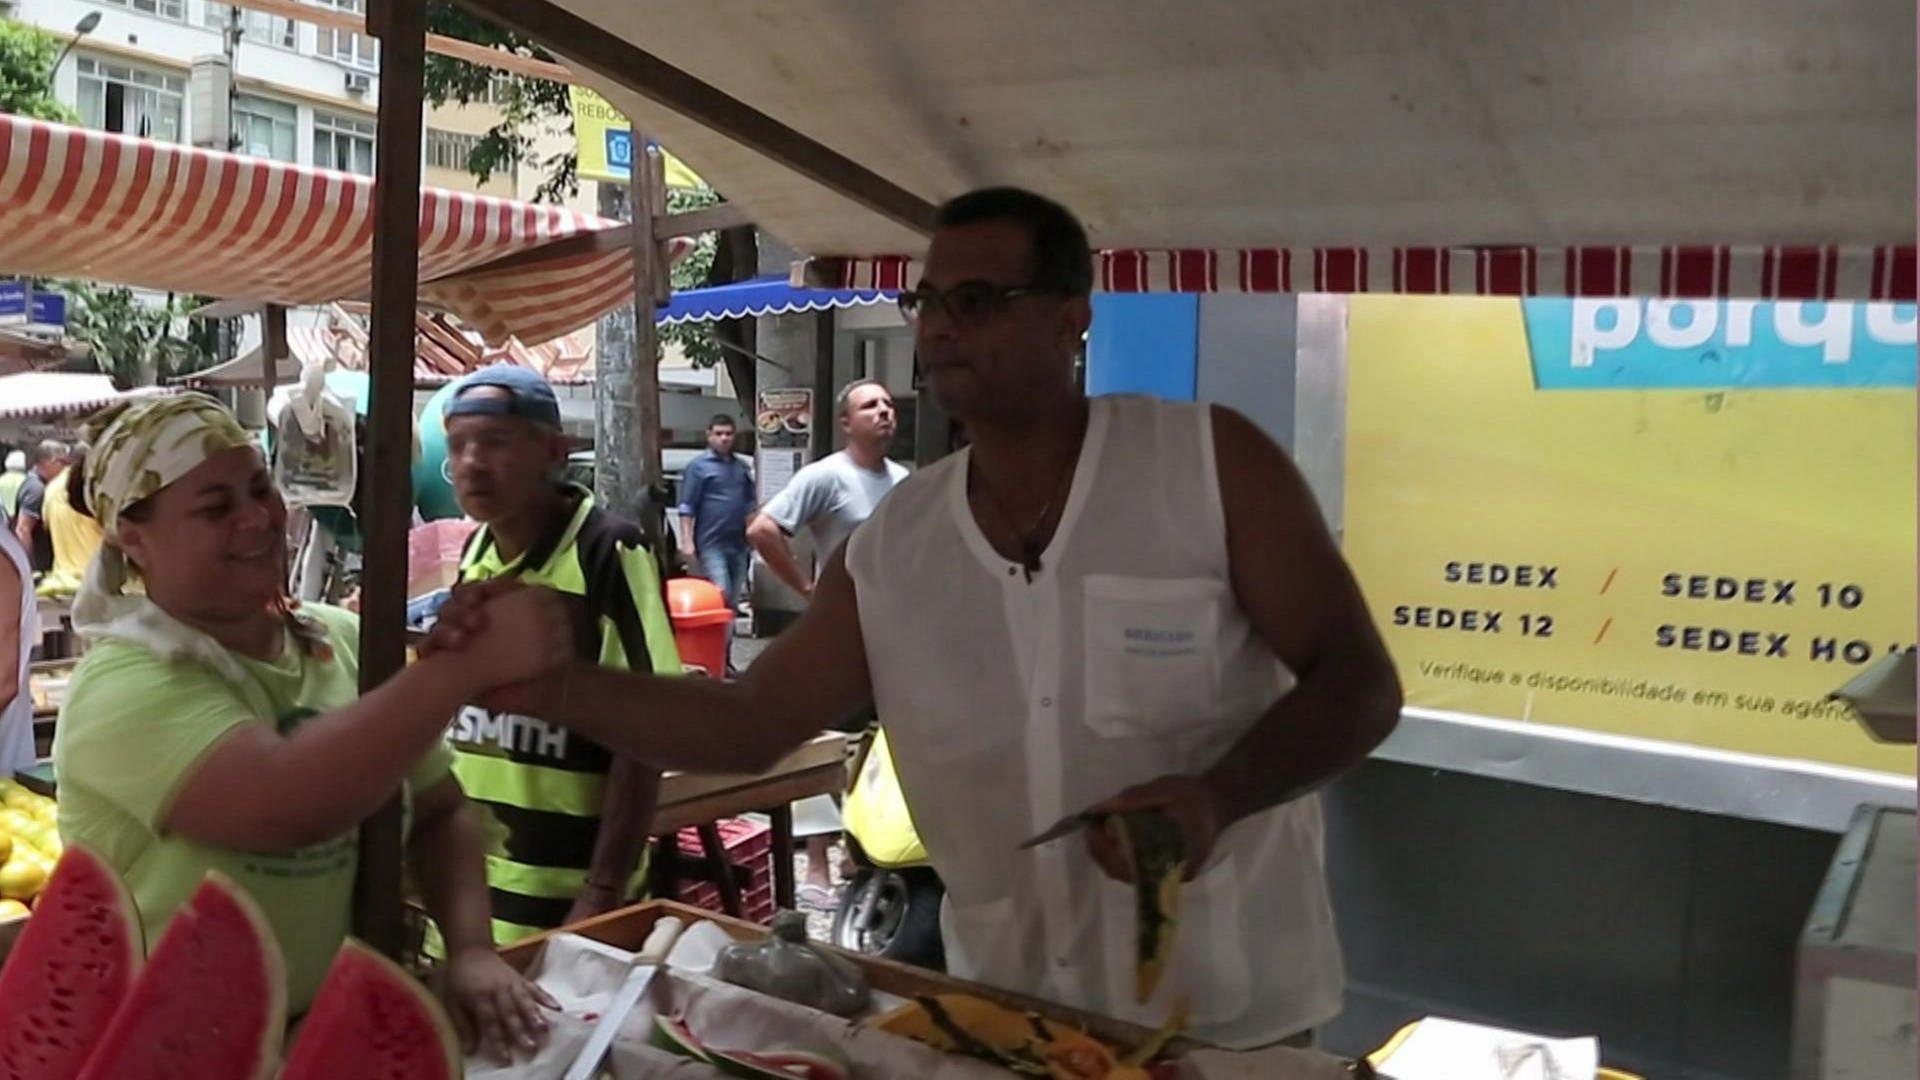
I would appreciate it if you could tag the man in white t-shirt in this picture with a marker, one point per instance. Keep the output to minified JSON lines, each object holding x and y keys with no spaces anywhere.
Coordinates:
{"x":1101,"y":605}
{"x":831,"y":497}
{"x":828,"y":500}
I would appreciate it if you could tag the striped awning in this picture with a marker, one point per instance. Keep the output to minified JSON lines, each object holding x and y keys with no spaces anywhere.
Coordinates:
{"x":770,"y":295}
{"x":1676,"y":272}
{"x":60,"y":393}
{"x":106,"y":207}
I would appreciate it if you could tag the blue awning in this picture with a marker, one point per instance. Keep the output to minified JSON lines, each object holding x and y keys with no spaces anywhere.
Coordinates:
{"x":770,"y":295}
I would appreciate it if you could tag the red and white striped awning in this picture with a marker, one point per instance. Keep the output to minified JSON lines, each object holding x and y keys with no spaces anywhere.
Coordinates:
{"x":61,"y":393}
{"x":1679,"y":272}
{"x":90,"y":204}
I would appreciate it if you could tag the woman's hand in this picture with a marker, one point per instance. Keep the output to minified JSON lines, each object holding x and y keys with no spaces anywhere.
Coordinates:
{"x":493,"y":1006}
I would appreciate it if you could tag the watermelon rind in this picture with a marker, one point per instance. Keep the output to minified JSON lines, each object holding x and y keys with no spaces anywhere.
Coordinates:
{"x":367,"y":1007}
{"x":74,"y":963}
{"x":778,"y":1065}
{"x":190,"y":1013}
{"x":670,"y":1033}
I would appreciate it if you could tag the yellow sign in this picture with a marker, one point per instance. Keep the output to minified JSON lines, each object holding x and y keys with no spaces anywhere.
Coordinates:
{"x":1695,"y":545}
{"x":606,"y":146}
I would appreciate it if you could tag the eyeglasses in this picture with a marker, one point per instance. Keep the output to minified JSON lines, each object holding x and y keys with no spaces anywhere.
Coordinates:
{"x":970,"y":303}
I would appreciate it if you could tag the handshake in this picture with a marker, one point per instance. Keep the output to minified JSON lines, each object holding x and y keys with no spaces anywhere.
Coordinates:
{"x":506,"y":643}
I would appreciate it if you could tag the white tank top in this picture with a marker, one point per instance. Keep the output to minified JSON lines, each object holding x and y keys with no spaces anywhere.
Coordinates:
{"x":16,"y":716}
{"x":1009,"y":705}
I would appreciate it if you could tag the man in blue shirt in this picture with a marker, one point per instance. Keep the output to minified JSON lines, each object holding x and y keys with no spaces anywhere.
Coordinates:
{"x":716,"y":497}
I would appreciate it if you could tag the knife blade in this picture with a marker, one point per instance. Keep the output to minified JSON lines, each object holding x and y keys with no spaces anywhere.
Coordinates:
{"x":646,"y":962}
{"x":1070,"y":823}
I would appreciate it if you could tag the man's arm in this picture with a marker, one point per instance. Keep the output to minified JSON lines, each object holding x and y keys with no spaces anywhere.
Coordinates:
{"x":23,"y":525}
{"x":1295,"y":587}
{"x":1289,"y":577}
{"x":492,"y":1005}
{"x":770,"y":541}
{"x":811,"y":676}
{"x":626,"y":813}
{"x":691,"y":483}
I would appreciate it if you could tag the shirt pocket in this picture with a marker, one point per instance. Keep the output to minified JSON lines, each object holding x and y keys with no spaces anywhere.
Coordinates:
{"x":1152,"y":653}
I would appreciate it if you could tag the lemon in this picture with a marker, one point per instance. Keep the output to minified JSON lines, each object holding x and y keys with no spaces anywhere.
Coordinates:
{"x":18,"y":799}
{"x":21,"y":879}
{"x":6,"y":848}
{"x":11,"y":909}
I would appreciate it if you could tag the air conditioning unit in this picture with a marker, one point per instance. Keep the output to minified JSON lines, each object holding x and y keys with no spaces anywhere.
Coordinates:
{"x":358,"y":82}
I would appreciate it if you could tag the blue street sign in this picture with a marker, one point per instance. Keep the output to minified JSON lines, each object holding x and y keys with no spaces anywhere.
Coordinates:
{"x":13,"y":299}
{"x":48,"y":309}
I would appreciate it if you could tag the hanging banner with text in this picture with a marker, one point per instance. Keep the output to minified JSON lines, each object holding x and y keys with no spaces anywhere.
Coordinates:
{"x":605,"y":141}
{"x":1676,"y":520}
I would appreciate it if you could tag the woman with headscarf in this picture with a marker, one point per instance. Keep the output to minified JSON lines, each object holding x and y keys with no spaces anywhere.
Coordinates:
{"x":216,"y":725}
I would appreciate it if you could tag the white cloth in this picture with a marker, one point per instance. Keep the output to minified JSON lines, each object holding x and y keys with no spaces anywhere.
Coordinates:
{"x":1009,"y":705}
{"x":16,"y":715}
{"x":830,"y":498}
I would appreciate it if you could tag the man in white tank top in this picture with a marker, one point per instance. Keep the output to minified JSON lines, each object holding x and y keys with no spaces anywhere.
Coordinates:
{"x":1109,"y":604}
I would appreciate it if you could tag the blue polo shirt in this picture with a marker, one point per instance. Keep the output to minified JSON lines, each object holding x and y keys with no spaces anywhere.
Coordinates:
{"x":718,"y":492}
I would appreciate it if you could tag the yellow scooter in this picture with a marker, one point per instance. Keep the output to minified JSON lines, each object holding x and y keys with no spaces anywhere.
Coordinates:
{"x":891,"y":906}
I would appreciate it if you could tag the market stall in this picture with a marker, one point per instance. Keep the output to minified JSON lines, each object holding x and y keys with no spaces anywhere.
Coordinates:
{"x":1481,"y":147}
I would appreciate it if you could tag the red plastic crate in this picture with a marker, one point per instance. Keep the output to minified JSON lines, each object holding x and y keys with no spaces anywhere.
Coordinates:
{"x":756,"y":904}
{"x":744,"y":840}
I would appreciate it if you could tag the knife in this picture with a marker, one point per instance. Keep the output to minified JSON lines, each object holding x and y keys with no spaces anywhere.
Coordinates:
{"x":1068,"y":824}
{"x":652,"y":954}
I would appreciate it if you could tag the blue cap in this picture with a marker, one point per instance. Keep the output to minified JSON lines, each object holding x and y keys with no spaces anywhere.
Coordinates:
{"x":528,"y":396}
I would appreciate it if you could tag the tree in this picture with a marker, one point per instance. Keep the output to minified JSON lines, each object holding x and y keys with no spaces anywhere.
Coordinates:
{"x":136,"y":342}
{"x":531,"y":104}
{"x":27,"y":54}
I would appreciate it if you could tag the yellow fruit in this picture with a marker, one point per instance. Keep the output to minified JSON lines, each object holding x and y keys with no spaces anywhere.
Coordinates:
{"x":18,"y":799}
{"x":11,"y":909}
{"x":21,"y":879}
{"x":6,"y":848}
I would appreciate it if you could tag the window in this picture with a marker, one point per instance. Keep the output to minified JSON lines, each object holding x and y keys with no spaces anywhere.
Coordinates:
{"x":345,"y":45}
{"x":449,"y":149}
{"x":131,"y":100}
{"x":499,"y":89}
{"x":343,"y":143}
{"x":164,"y":9}
{"x":255,"y":26}
{"x":265,"y":128}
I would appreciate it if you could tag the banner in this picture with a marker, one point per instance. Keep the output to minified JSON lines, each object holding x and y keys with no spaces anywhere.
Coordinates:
{"x":605,"y":141}
{"x":1687,"y":521}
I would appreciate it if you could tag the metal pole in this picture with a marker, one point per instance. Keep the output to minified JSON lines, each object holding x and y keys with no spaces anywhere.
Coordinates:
{"x":401,"y":27}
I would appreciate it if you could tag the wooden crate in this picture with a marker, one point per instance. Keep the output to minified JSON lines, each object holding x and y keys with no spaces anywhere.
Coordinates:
{"x":628,"y":927}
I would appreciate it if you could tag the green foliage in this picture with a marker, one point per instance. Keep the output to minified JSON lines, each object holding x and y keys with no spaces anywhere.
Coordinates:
{"x":139,"y":344}
{"x":531,"y":105}
{"x":527,"y":103}
{"x":27,"y":54}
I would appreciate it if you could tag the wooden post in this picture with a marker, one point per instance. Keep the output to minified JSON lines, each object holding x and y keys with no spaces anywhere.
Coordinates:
{"x":273,"y":345}
{"x":401,"y":27}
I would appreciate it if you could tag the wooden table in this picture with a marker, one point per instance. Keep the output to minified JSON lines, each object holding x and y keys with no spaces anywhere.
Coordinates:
{"x":699,"y":799}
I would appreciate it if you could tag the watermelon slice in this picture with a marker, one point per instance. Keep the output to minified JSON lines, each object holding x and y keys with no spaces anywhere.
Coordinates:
{"x":373,"y":1021}
{"x":212,"y":1001}
{"x":671,"y":1033}
{"x":69,"y":971}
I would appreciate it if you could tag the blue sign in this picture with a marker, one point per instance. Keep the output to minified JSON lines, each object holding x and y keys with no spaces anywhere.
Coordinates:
{"x":620,"y":151}
{"x":1645,"y":344}
{"x":48,"y":308}
{"x":13,"y":299}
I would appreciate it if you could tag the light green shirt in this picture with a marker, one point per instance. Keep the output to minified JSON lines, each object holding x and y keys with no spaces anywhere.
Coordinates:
{"x":136,"y":725}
